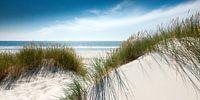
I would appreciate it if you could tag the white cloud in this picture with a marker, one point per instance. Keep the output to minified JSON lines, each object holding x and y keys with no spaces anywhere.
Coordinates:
{"x":116,"y":8}
{"x":94,"y":11}
{"x":120,"y":8}
{"x":112,"y":27}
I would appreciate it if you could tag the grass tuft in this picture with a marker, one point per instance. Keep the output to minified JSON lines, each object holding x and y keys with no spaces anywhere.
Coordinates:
{"x":32,"y":58}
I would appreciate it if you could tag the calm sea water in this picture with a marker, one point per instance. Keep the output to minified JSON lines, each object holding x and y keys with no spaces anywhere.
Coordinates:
{"x":77,"y":45}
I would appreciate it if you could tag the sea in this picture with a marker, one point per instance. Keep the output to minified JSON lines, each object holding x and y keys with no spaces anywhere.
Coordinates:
{"x":77,"y":45}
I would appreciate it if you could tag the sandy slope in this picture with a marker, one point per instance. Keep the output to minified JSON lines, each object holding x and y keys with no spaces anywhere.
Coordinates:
{"x":39,"y":88}
{"x":151,"y":78}
{"x":44,"y":88}
{"x":153,"y":83}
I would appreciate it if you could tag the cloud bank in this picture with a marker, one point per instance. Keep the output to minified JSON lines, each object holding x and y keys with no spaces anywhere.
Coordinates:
{"x":109,"y":25}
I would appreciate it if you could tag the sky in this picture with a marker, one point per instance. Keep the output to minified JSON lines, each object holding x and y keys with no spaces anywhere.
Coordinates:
{"x":87,"y":20}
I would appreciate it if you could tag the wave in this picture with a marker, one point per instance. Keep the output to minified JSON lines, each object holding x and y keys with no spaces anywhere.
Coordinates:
{"x":16,"y":48}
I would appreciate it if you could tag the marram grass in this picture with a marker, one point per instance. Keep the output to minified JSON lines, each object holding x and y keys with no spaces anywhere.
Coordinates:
{"x":179,"y":41}
{"x":32,"y":58}
{"x":76,"y":90}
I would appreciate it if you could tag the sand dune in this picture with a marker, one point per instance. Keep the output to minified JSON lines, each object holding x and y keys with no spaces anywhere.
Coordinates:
{"x":151,"y":78}
{"x":151,"y":81}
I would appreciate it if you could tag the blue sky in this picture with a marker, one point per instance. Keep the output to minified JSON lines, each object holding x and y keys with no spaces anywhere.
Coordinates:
{"x":86,"y":20}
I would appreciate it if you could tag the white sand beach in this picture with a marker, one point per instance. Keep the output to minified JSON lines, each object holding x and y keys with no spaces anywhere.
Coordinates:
{"x":99,"y":49}
{"x":157,"y":81}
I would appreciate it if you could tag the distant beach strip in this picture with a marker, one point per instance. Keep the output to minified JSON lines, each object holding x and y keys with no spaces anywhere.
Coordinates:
{"x":77,"y":45}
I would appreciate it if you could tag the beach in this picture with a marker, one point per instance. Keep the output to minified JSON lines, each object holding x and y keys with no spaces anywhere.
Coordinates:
{"x":147,"y":78}
{"x":99,"y":50}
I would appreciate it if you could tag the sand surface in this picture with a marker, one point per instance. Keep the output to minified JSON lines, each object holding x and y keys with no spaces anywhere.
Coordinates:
{"x":156,"y":82}
{"x":151,"y":78}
